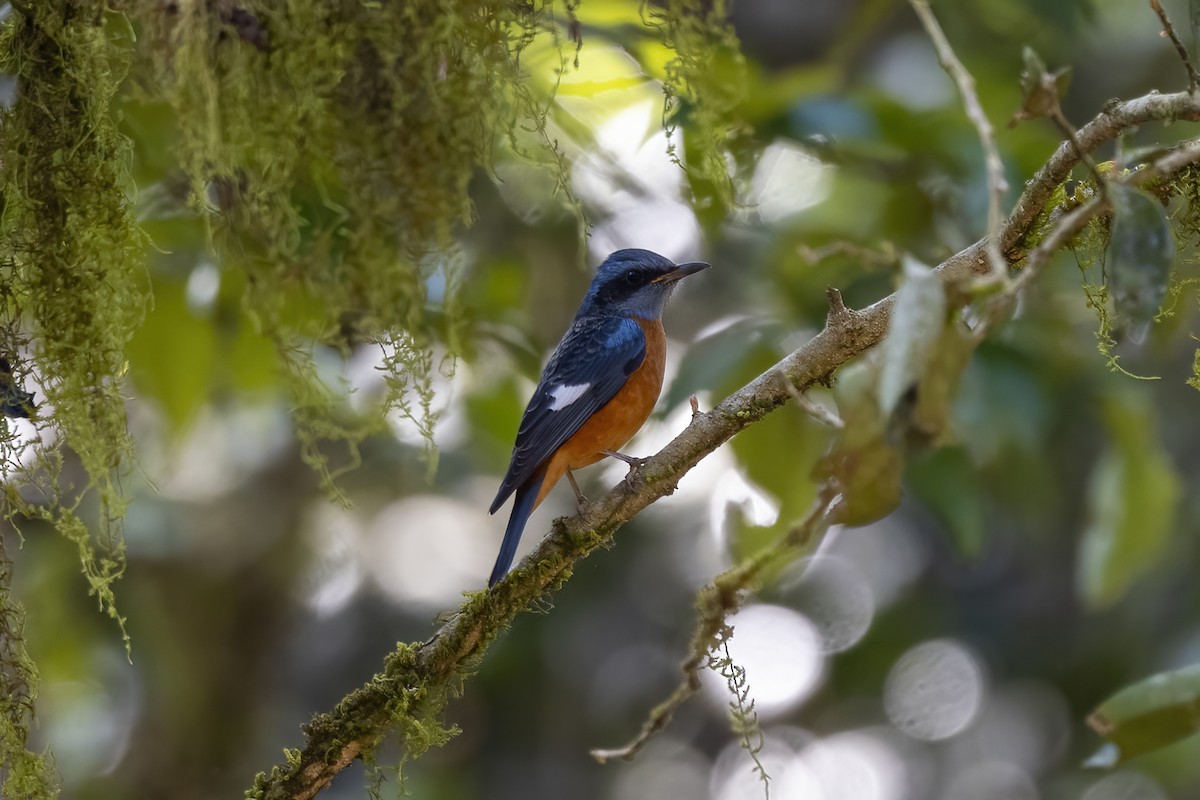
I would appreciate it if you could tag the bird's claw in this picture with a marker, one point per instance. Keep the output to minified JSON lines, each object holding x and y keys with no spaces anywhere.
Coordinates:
{"x":581,"y":501}
{"x":633,"y":461}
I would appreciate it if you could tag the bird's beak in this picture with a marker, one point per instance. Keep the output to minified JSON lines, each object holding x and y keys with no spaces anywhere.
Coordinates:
{"x":681,"y":271}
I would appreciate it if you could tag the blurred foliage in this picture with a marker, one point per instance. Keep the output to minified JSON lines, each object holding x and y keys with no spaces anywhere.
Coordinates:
{"x":705,"y":87}
{"x":1132,"y":499}
{"x":1147,"y":716}
{"x":243,"y":239}
{"x":25,"y":774}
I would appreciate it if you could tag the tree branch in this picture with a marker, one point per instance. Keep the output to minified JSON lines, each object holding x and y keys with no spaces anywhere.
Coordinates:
{"x":1116,"y":118}
{"x":418,"y":680}
{"x":725,"y":596}
{"x":716,"y":603}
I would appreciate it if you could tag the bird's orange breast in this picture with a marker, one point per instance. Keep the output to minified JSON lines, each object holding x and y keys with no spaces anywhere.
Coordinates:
{"x":619,"y":419}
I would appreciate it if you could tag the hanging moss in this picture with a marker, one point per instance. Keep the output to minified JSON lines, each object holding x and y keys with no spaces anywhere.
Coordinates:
{"x":73,"y":256}
{"x":24,"y":774}
{"x":705,"y":84}
{"x":1090,"y":249}
{"x":331,"y":146}
{"x":1187,"y":185}
{"x":74,"y":290}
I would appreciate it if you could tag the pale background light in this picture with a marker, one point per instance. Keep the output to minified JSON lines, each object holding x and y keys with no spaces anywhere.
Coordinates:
{"x":934,"y":690}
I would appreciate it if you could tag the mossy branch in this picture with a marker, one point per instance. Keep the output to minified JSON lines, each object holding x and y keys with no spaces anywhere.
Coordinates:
{"x":418,"y":680}
{"x":726,"y":595}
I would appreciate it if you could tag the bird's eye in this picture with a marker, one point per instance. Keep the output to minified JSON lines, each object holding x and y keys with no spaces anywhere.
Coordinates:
{"x":631,"y":277}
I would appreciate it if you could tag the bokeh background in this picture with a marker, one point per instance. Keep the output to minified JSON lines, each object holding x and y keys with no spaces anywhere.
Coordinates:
{"x":951,"y":650}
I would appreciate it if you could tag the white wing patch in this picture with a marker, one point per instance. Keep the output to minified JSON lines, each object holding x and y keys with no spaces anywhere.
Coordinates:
{"x":564,"y":395}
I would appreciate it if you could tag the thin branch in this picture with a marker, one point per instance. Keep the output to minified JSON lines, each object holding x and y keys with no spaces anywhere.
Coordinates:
{"x":1116,"y":118}
{"x":418,"y":680}
{"x":716,"y":603}
{"x":1169,"y":30}
{"x":1072,"y":224}
{"x":885,"y":256}
{"x":839,"y":313}
{"x":1068,"y":130}
{"x":812,"y":408}
{"x":818,"y":412}
{"x":997,"y":185}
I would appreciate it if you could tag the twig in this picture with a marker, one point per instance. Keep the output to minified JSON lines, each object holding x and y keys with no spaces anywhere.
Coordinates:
{"x":886,"y":256}
{"x":813,"y":409}
{"x":1116,"y":118}
{"x":997,"y":185}
{"x":715,"y":603}
{"x":1069,"y":131}
{"x":1169,"y":30}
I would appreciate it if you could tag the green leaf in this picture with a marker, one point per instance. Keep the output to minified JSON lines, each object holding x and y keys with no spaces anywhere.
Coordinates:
{"x":917,"y":321}
{"x":1141,"y":252}
{"x":493,"y":410}
{"x":939,"y":382}
{"x":945,"y":482}
{"x":1131,"y":504}
{"x":248,"y":361}
{"x":1032,"y":69}
{"x":1041,"y":91}
{"x":1148,"y":715}
{"x":864,"y":462}
{"x":778,"y":454}
{"x":718,"y":362}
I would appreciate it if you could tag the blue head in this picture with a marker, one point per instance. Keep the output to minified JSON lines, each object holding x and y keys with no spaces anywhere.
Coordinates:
{"x":635,"y":283}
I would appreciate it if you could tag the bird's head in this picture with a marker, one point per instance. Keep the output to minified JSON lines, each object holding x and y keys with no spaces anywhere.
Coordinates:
{"x":637,"y":283}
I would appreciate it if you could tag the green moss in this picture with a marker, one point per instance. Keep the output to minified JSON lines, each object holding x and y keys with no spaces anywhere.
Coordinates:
{"x":74,"y":290}
{"x":24,"y":774}
{"x":1089,"y":249}
{"x":743,"y":718}
{"x":74,"y":258}
{"x":331,"y":146}
{"x":1187,"y":185}
{"x":705,"y":84}
{"x":1058,"y":204}
{"x":1089,"y":252}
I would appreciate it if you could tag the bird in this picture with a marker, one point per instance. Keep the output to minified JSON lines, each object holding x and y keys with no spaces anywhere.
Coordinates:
{"x":598,"y":388}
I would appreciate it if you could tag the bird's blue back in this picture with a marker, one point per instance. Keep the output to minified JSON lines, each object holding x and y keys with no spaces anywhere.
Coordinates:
{"x":599,"y":352}
{"x":604,"y":346}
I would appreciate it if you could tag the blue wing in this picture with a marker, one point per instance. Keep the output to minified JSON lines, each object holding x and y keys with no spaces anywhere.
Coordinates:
{"x":598,"y":353}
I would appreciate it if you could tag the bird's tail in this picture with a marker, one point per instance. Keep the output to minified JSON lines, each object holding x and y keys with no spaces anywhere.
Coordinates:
{"x":526,"y":499}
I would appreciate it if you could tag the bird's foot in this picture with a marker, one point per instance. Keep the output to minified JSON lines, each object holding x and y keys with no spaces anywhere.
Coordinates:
{"x":580,"y":498}
{"x":633,"y":461}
